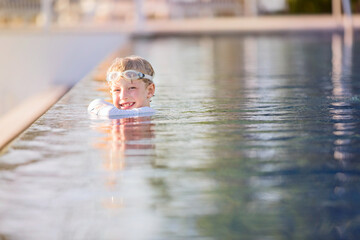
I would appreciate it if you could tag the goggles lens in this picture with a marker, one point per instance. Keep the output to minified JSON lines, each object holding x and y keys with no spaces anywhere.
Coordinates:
{"x":128,"y":75}
{"x":112,"y":76}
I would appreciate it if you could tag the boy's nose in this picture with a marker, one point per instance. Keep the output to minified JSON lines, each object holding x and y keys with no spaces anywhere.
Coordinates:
{"x":123,"y":94}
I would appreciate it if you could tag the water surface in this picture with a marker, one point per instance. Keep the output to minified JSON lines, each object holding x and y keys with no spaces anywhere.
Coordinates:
{"x":255,"y":137}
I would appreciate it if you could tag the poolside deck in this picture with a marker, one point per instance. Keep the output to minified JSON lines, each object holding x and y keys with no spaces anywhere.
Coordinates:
{"x":245,"y":25}
{"x":248,"y":25}
{"x":259,"y":24}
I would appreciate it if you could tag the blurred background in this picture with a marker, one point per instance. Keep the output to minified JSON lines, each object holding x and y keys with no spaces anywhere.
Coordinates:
{"x":65,"y":12}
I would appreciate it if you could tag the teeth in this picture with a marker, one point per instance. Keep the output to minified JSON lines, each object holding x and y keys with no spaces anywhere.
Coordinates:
{"x":127,"y":104}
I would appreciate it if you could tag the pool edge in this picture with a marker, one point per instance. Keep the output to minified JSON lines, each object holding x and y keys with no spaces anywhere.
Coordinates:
{"x":28,"y":111}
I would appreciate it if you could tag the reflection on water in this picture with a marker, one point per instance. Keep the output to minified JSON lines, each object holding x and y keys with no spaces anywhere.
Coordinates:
{"x":255,"y":137}
{"x":342,"y":111}
{"x":125,"y":138}
{"x":122,"y":136}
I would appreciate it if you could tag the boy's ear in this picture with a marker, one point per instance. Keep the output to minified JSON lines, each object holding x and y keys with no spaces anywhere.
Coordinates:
{"x":151,"y":90}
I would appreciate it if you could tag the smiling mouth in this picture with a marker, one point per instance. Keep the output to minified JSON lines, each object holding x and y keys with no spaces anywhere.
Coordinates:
{"x":127,"y":105}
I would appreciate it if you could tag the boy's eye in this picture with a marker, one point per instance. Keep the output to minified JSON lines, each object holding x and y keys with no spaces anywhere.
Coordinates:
{"x":116,"y":90}
{"x":131,"y":88}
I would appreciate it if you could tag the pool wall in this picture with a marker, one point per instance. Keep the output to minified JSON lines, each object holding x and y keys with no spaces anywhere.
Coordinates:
{"x":40,"y":67}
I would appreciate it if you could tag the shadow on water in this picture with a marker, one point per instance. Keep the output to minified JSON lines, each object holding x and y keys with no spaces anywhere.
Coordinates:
{"x":255,"y":137}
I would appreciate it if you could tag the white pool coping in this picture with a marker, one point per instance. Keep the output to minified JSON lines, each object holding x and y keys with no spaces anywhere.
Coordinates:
{"x":20,"y":118}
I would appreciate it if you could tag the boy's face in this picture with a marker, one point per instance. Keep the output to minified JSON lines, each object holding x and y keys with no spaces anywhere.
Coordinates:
{"x":131,"y":94}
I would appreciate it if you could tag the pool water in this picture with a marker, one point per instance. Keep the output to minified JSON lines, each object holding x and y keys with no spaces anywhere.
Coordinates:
{"x":255,"y":137}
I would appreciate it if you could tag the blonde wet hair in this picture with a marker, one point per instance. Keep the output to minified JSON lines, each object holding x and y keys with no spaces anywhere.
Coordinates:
{"x":133,"y":63}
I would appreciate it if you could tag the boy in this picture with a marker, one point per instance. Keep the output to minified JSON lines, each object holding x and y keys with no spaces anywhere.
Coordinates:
{"x":130,"y":80}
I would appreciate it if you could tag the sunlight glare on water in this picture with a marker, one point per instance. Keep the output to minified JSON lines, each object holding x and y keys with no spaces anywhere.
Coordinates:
{"x":255,"y":137}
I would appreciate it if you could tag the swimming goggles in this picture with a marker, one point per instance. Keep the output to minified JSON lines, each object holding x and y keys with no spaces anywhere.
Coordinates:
{"x":128,"y":75}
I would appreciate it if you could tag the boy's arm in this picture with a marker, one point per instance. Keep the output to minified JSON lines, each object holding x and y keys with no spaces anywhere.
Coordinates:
{"x":97,"y":105}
